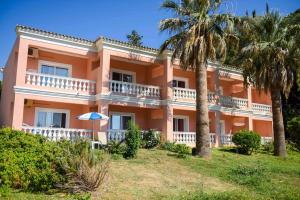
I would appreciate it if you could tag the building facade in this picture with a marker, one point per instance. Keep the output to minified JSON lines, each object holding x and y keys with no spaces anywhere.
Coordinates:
{"x":51,"y":78}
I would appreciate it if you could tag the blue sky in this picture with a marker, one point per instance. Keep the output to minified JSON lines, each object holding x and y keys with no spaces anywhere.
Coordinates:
{"x":114,"y":18}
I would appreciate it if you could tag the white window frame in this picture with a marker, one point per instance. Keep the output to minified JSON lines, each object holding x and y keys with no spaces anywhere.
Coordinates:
{"x":38,"y":109}
{"x":132,"y":115}
{"x":186,"y":121}
{"x":186,"y":80}
{"x":133,"y":74}
{"x":55,"y":64}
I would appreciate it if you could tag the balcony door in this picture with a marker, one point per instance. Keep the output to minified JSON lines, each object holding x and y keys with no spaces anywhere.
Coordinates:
{"x":120,"y":121}
{"x":56,"y":69}
{"x":180,"y":124}
{"x":52,"y":118}
{"x":122,"y":77}
{"x":180,"y":82}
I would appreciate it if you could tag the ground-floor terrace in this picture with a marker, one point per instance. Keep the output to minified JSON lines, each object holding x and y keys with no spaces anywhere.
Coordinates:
{"x":57,"y":120}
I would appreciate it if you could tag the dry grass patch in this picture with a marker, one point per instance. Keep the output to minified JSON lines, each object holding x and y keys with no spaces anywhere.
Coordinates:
{"x":155,"y":175}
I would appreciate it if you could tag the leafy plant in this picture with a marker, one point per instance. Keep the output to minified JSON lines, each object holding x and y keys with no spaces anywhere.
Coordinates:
{"x":293,"y":127}
{"x":169,"y":146}
{"x":132,"y":140}
{"x":246,"y":141}
{"x":180,"y":149}
{"x":150,"y":139}
{"x":114,"y":147}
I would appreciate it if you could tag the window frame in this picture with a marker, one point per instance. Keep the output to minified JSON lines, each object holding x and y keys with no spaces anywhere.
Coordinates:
{"x":39,"y":109}
{"x":133,"y":74}
{"x":132,"y":115}
{"x":185,"y":120}
{"x":54,"y":64}
{"x":186,"y":80}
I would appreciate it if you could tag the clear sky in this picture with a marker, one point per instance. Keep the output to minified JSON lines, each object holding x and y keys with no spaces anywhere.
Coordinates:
{"x":112,"y":18}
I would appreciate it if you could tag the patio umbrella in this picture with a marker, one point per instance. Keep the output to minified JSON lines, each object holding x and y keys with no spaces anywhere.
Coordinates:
{"x":93,"y":116}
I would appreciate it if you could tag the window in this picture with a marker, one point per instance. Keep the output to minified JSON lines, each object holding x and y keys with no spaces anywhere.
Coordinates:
{"x":120,"y":121}
{"x":180,"y":123}
{"x":51,"y":118}
{"x":119,"y":76}
{"x":56,"y":69}
{"x":180,"y":82}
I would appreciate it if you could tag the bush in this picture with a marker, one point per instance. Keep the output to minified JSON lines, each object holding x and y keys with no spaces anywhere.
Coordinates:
{"x":30,"y":162}
{"x":268,"y":147}
{"x":116,"y":148}
{"x":132,"y":141}
{"x":181,"y":150}
{"x":169,"y":146}
{"x":293,"y":127}
{"x":150,"y":139}
{"x":246,"y":141}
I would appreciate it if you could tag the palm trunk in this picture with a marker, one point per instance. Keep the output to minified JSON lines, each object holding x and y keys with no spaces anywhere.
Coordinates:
{"x":278,"y":127}
{"x":202,"y":120}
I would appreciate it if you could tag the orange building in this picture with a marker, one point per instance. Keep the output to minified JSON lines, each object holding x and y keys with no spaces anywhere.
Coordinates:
{"x":51,"y":78}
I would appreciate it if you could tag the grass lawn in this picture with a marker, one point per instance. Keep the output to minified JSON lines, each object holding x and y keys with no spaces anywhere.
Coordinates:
{"x":158,"y":174}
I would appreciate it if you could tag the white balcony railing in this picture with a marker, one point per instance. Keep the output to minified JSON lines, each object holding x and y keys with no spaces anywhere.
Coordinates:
{"x":119,"y":135}
{"x":261,"y":107}
{"x":185,"y":93}
{"x":226,"y":139}
{"x":56,"y":134}
{"x":134,"y":89}
{"x":189,"y":137}
{"x":233,"y":102}
{"x":59,"y":82}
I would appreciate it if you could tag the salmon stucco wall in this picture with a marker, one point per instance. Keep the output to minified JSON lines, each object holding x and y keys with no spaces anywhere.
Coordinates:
{"x":79,"y":65}
{"x":75,"y":110}
{"x":9,"y":80}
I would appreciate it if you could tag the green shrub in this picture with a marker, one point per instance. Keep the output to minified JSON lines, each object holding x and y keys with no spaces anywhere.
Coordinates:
{"x":114,"y":147}
{"x":150,"y":139}
{"x":182,"y":150}
{"x":293,"y":127}
{"x":268,"y":147}
{"x":29,"y":162}
{"x":132,"y":140}
{"x":246,"y":141}
{"x":169,"y":146}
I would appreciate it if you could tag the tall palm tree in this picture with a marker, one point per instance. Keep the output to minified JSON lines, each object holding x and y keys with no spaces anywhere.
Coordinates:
{"x":269,"y":57}
{"x":197,"y":35}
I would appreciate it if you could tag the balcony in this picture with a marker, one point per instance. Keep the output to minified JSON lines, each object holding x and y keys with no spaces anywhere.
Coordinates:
{"x":60,"y":83}
{"x":119,"y":135}
{"x":133,"y":89}
{"x":184,"y":94}
{"x":189,"y":138}
{"x":56,"y":134}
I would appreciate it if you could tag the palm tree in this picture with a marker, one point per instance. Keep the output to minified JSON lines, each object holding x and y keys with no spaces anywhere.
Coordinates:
{"x":197,"y":35}
{"x":269,"y":57}
{"x":134,"y":38}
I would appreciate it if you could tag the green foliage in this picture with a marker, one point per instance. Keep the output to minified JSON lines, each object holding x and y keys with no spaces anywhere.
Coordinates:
{"x":169,"y":146}
{"x":268,"y":147}
{"x":150,"y":139}
{"x":28,"y":162}
{"x":132,"y":140}
{"x":293,"y":127}
{"x":134,"y":38}
{"x":114,"y":147}
{"x":246,"y":141}
{"x":182,"y":150}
